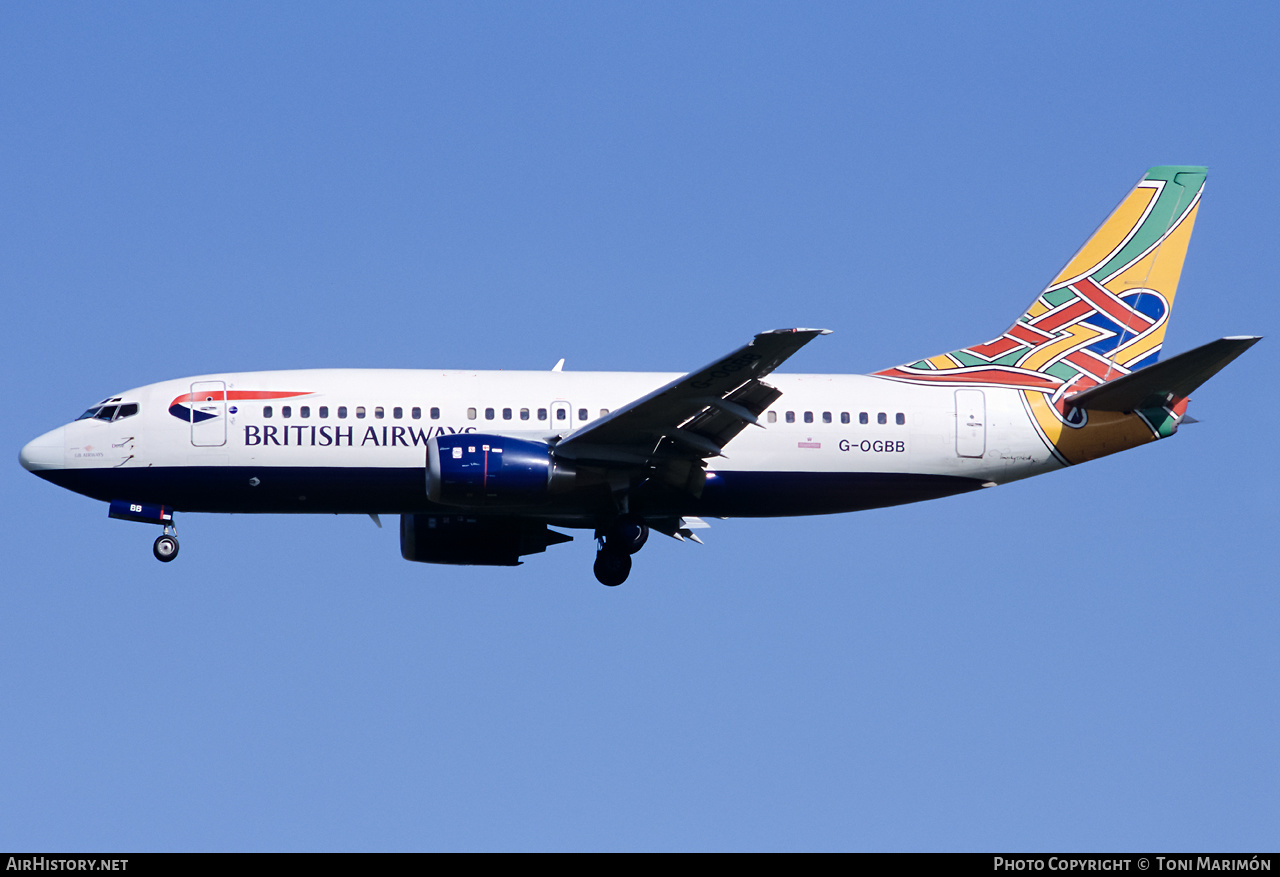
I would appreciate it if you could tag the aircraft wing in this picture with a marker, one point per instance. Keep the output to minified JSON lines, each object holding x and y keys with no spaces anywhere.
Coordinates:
{"x":694,"y":416}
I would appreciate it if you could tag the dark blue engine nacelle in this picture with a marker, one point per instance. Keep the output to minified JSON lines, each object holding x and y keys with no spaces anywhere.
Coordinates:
{"x":474,"y":540}
{"x":474,"y":470}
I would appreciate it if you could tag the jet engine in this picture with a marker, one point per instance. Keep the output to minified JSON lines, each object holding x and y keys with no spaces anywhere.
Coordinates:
{"x":474,"y":470}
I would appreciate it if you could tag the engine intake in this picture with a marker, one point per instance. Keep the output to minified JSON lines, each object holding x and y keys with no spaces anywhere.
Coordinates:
{"x":474,"y":470}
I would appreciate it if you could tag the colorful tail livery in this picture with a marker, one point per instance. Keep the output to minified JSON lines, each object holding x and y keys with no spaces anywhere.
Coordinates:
{"x":1103,"y":317}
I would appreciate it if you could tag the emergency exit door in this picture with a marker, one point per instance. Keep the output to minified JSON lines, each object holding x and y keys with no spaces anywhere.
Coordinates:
{"x":561,"y":416}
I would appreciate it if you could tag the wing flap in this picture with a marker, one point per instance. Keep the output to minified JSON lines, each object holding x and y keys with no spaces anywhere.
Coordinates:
{"x":722,"y":419}
{"x":680,"y":528}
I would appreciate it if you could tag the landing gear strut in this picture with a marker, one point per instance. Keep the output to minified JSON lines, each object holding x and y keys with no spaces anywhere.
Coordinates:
{"x":166,"y":546}
{"x":624,"y":537}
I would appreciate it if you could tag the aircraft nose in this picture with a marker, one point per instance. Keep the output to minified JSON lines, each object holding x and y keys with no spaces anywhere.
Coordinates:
{"x":46,"y":452}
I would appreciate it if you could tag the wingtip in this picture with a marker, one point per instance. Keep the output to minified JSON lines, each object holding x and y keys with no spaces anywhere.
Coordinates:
{"x":796,"y":332}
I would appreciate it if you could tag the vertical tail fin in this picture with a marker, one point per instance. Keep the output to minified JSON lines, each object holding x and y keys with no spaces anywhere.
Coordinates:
{"x":1106,"y":312}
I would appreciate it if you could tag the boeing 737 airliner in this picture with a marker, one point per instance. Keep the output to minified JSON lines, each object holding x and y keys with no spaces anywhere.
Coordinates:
{"x":481,"y":465}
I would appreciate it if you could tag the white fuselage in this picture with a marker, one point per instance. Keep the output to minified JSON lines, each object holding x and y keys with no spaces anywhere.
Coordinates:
{"x":345,"y":440}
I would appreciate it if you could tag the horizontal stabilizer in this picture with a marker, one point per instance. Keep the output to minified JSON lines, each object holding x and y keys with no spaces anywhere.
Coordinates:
{"x":1174,"y":378}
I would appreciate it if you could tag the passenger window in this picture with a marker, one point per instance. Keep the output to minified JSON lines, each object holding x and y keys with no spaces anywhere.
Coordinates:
{"x":286,"y":411}
{"x":901,"y":419}
{"x":808,"y":417}
{"x":488,"y":414}
{"x":342,"y":412}
{"x":377,"y":412}
{"x":324,"y":411}
{"x":882,"y":418}
{"x":524,"y":413}
{"x":826,"y":417}
{"x":791,"y":417}
{"x":862,"y":418}
{"x":562,"y":414}
{"x":266,"y":410}
{"x":582,"y":414}
{"x":506,"y":413}
{"x":772,"y":417}
{"x":435,"y":413}
{"x":604,"y":411}
{"x":359,"y":412}
{"x":397,"y":413}
{"x":127,"y":411}
{"x":304,"y":411}
{"x":542,"y":414}
{"x":471,"y":414}
{"x":844,"y":416}
{"x":416,"y":413}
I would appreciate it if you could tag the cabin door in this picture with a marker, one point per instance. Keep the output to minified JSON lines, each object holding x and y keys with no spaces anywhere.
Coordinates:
{"x":208,"y":414}
{"x":971,"y":423}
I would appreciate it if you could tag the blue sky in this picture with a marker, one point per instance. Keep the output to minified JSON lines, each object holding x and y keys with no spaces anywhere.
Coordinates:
{"x":1086,"y":660}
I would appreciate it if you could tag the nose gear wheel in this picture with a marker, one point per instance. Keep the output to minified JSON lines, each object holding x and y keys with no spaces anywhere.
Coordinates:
{"x":165,"y":548}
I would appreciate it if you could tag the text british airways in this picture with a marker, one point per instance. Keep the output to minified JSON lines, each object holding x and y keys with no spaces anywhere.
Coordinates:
{"x":299,"y":435}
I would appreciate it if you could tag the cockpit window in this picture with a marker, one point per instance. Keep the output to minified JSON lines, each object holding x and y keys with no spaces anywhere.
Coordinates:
{"x":107,"y":413}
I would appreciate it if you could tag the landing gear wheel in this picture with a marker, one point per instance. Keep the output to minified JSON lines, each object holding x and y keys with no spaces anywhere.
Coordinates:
{"x":166,"y":548}
{"x":629,"y":533}
{"x":612,"y":567}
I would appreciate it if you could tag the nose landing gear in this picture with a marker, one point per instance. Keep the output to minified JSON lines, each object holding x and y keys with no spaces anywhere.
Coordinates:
{"x":166,"y":546}
{"x":623,"y":538}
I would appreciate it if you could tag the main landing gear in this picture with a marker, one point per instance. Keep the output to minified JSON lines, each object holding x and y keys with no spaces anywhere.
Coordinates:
{"x":615,"y":545}
{"x":166,"y":547}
